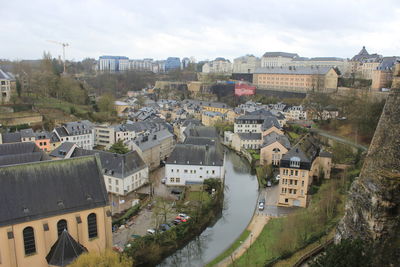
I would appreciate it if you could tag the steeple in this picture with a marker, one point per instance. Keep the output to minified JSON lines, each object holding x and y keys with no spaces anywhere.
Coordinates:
{"x":363,"y":52}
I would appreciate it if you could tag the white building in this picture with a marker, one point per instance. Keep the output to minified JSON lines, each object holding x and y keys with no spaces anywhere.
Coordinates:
{"x":295,"y":113}
{"x":246,"y":64}
{"x":277,"y":59}
{"x":80,"y":133}
{"x":192,"y":164}
{"x":219,"y":65}
{"x":5,"y":87}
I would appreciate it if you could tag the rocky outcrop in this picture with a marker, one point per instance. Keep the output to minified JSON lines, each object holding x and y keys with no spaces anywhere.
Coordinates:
{"x":373,"y":206}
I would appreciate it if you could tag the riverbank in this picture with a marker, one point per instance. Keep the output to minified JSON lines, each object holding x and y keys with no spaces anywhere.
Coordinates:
{"x":151,"y":250}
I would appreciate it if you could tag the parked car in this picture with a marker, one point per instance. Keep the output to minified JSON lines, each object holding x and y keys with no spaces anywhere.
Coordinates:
{"x":180,"y":218}
{"x":269,"y":184}
{"x":176,"y":222}
{"x":262,"y":201}
{"x":278,"y":177}
{"x":151,"y":231}
{"x":261,"y":206}
{"x":163,"y":180}
{"x":184,"y":216}
{"x":164,"y":227}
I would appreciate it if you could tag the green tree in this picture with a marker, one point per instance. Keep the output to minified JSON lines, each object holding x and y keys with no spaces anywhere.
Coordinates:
{"x":107,"y":258}
{"x":347,"y":253}
{"x":106,"y":103}
{"x":119,"y":148}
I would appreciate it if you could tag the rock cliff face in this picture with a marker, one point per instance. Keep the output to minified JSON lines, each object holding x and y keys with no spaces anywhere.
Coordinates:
{"x":373,"y":206}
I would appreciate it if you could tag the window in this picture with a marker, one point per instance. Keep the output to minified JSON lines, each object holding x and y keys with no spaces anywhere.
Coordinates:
{"x":296,"y":173}
{"x":291,"y":172}
{"x":172,"y":170}
{"x":178,"y":180}
{"x":295,"y":162}
{"x":302,"y":183}
{"x":172,"y":180}
{"x":177,"y":170}
{"x":92,"y":225}
{"x":116,"y":182}
{"x":185,"y":171}
{"x":61,"y":225}
{"x":109,"y":180}
{"x":29,"y":241}
{"x":213,"y":171}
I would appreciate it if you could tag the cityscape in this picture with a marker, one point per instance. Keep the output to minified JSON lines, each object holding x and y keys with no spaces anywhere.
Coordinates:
{"x":264,"y":143}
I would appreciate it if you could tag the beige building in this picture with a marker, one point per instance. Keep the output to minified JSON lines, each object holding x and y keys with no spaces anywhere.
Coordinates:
{"x":296,"y":79}
{"x":383,"y":75}
{"x":273,"y":148}
{"x":246,"y":64}
{"x":210,"y":118}
{"x":40,"y":200}
{"x":298,"y":169}
{"x":219,"y":65}
{"x":246,"y":141}
{"x":277,"y":59}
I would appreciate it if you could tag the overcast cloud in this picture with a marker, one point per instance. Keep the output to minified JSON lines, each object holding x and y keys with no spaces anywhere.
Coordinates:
{"x":204,"y":29}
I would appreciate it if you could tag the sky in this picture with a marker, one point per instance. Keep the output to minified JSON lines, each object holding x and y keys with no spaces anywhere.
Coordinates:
{"x":203,"y":29}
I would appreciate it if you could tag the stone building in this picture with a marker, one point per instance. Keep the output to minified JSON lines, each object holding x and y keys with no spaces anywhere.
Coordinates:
{"x":298,"y":168}
{"x":296,"y":79}
{"x":5,"y":87}
{"x":42,"y":199}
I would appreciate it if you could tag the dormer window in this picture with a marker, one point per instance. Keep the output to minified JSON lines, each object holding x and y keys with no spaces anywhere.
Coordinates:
{"x":295,"y":162}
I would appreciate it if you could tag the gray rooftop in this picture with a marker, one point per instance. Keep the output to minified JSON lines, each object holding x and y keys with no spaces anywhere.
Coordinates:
{"x":250,"y":136}
{"x":280,"y":54}
{"x":188,"y":154}
{"x":274,"y":137}
{"x":39,"y":190}
{"x":116,"y":165}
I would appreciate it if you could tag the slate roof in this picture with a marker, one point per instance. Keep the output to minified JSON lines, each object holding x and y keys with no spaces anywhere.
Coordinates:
{"x":194,"y":122}
{"x":262,"y":116}
{"x":200,"y":141}
{"x":27,"y":133}
{"x":44,"y":189}
{"x":78,"y":127}
{"x":201,"y":131}
{"x":65,"y":250}
{"x":116,"y":165}
{"x":307,"y":149}
{"x":61,"y":131}
{"x":205,"y":103}
{"x":280,"y":54}
{"x":152,"y":139}
{"x":250,"y":136}
{"x":4,"y":75}
{"x":11,"y":137}
{"x":23,"y":158}
{"x":294,"y":70}
{"x":18,"y":148}
{"x":188,"y":154}
{"x":388,"y":63}
{"x":274,"y":137}
{"x":62,"y":150}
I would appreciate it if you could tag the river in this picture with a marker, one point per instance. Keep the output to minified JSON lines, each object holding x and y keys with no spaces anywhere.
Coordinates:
{"x":239,"y":203}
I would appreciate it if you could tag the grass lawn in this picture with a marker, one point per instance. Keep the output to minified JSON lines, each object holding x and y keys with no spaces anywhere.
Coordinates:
{"x":198,"y":196}
{"x":293,"y":135}
{"x":296,"y":256}
{"x":262,"y":249}
{"x":231,"y":249}
{"x":47,"y":102}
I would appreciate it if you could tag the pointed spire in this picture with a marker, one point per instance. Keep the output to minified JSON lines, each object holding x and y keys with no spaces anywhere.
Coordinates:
{"x":65,"y":250}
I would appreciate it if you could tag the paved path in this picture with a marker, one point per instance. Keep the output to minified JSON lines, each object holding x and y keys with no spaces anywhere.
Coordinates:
{"x":339,"y":139}
{"x":255,"y":227}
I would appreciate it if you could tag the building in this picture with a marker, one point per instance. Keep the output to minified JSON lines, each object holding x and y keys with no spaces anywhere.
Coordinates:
{"x":363,"y":64}
{"x":296,"y":79}
{"x":247,"y":140}
{"x":246,"y":64}
{"x":113,"y":63}
{"x":219,"y":65}
{"x":277,"y":59}
{"x":53,"y":196}
{"x":210,"y":118}
{"x":123,"y":173}
{"x":295,"y":113}
{"x":154,"y":145}
{"x":192,"y":164}
{"x":18,"y":153}
{"x":259,"y":121}
{"x":5,"y":87}
{"x":298,"y":168}
{"x":78,"y":132}
{"x":205,"y":106}
{"x":108,"y":135}
{"x":274,"y":146}
{"x":185,"y":63}
{"x":243,"y":88}
{"x":172,"y":63}
{"x":383,"y":75}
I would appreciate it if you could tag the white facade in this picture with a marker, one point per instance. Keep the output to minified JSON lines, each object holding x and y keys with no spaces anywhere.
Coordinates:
{"x":217,"y":66}
{"x":123,"y":186}
{"x":246,"y":64}
{"x":247,"y":128}
{"x":275,"y":61}
{"x":295,"y":113}
{"x":85,"y":141}
{"x":5,"y":87}
{"x":180,"y":175}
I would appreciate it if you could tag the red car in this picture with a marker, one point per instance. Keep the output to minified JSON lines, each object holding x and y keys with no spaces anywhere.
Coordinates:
{"x":180,"y":218}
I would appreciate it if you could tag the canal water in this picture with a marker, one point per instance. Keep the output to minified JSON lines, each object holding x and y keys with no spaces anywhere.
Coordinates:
{"x":239,"y":204}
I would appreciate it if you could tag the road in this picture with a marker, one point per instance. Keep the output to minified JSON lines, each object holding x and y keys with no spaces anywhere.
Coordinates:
{"x":271,"y":195}
{"x":339,"y":139}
